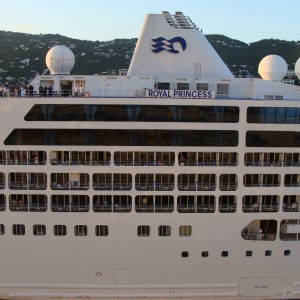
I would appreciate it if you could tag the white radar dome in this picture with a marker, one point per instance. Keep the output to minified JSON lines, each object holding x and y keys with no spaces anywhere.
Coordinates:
{"x":60,"y":60}
{"x":272,"y":67}
{"x":297,"y":68}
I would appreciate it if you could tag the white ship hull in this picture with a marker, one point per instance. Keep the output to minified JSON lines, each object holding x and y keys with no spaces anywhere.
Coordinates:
{"x":94,"y":206}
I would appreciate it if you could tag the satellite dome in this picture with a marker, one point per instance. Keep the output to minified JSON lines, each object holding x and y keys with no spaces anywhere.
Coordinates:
{"x":272,"y":67}
{"x":297,"y":68}
{"x":60,"y":60}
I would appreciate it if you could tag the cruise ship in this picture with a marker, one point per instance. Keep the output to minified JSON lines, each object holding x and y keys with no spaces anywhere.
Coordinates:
{"x":171,"y":180}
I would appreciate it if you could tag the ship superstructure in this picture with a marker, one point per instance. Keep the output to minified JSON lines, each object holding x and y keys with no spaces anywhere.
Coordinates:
{"x":176,"y":180}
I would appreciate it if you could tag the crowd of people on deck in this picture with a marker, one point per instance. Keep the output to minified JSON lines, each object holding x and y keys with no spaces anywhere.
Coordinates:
{"x":29,"y":91}
{"x":10,"y":91}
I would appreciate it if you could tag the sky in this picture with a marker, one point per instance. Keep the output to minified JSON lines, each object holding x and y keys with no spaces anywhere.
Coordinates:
{"x":244,"y":20}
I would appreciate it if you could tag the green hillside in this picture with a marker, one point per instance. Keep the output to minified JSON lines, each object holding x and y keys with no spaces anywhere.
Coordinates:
{"x":23,"y":55}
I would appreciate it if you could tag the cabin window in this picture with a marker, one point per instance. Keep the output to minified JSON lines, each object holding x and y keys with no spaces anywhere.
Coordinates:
{"x":227,"y":204}
{"x":18,"y":229}
{"x":291,"y":203}
{"x":201,"y":86}
{"x":101,"y":230}
{"x":185,"y":230}
{"x":60,"y":230}
{"x":183,"y":86}
{"x":287,"y":252}
{"x":102,"y":203}
{"x":292,"y":180}
{"x":2,"y":202}
{"x":224,"y":253}
{"x":228,"y":182}
{"x":291,"y":159}
{"x":164,"y":230}
{"x":204,"y":253}
{"x":184,"y":254}
{"x":273,"y":139}
{"x":248,"y":253}
{"x":2,"y":229}
{"x":268,"y":253}
{"x":39,"y":229}
{"x":143,"y":230}
{"x":126,"y":113}
{"x":80,"y":230}
{"x":290,"y":230}
{"x":163,"y":85}
{"x":144,"y":204}
{"x":222,"y":88}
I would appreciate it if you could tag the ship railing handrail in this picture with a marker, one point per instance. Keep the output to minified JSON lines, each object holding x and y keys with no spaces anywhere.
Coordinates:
{"x":191,"y":162}
{"x":291,"y":164}
{"x":262,"y":184}
{"x":154,"y":186}
{"x":27,"y":207}
{"x":153,"y":162}
{"x":128,"y":207}
{"x":133,"y":93}
{"x":292,"y":184}
{"x":70,"y":185}
{"x":290,"y":208}
{"x":102,"y":207}
{"x":123,"y":163}
{"x":122,"y":186}
{"x":112,"y":186}
{"x":259,"y":236}
{"x":14,"y":161}
{"x":228,"y":186}
{"x":279,"y":163}
{"x":195,"y":208}
{"x":269,"y":208}
{"x":164,"y":208}
{"x":251,"y":207}
{"x":227,"y":207}
{"x":122,"y":207}
{"x":260,"y":207}
{"x":69,"y":207}
{"x":66,"y":162}
{"x":27,"y":185}
{"x":102,"y":186}
{"x":196,"y":186}
{"x":144,"y":207}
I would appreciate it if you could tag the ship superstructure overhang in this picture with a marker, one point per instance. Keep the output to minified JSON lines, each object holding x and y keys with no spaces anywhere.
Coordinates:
{"x":171,"y":54}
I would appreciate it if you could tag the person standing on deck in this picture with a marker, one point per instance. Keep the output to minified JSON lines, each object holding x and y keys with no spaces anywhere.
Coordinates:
{"x":81,"y":91}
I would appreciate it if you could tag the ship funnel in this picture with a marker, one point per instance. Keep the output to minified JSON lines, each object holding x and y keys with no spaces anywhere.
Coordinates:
{"x":172,"y":46}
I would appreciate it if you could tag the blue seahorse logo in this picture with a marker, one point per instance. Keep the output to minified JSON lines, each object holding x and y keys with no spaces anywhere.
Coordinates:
{"x":162,"y":44}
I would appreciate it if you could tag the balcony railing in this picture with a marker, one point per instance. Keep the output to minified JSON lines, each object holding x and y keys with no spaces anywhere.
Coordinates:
{"x":154,"y":186}
{"x":28,"y":207}
{"x":227,"y":208}
{"x":112,"y":186}
{"x":66,"y":162}
{"x":112,"y":208}
{"x":70,"y":207}
{"x":192,"y":208}
{"x":73,"y":185}
{"x":228,"y":186}
{"x":196,"y":186}
{"x":22,"y":185}
{"x":259,"y":236}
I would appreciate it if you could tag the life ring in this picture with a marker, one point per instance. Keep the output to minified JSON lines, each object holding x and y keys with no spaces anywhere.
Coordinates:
{"x":87,"y":95}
